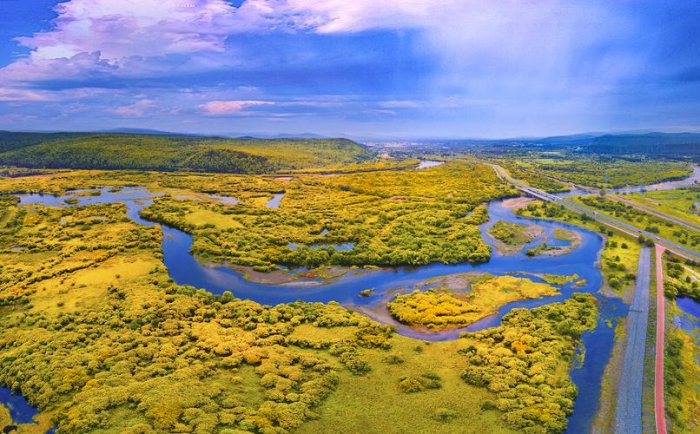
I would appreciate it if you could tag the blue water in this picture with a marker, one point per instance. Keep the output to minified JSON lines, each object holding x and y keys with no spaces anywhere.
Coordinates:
{"x":689,"y":306}
{"x":425,"y":164}
{"x":690,"y":322}
{"x":583,"y":260}
{"x":599,"y":344}
{"x":339,"y":247}
{"x":226,"y":200}
{"x":275,"y":201}
{"x":20,"y":410}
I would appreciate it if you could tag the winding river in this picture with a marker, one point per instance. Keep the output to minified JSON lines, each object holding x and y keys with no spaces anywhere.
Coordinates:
{"x":583,"y":260}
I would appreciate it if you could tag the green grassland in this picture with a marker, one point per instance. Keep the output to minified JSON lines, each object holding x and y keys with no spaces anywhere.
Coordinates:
{"x":682,"y":378}
{"x":678,"y":203}
{"x":172,"y":153}
{"x":643,"y":220}
{"x":94,"y":333}
{"x":441,"y":308}
{"x":526,"y":171}
{"x":595,"y":171}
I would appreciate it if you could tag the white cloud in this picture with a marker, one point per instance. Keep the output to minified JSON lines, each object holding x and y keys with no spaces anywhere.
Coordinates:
{"x":227,"y":107}
{"x":514,"y":60}
{"x":29,"y":95}
{"x":127,"y":28}
{"x":138,"y":109}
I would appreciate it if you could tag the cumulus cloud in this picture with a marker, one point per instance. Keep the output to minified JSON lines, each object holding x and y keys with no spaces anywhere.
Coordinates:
{"x":228,"y":107}
{"x":511,"y":61}
{"x":97,"y":38}
{"x":126,"y":28}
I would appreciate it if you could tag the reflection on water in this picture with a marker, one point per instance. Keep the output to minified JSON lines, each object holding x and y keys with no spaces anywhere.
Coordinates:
{"x":670,"y":185}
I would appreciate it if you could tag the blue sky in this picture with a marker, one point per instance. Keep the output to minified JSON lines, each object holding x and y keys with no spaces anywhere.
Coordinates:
{"x":361,"y":69}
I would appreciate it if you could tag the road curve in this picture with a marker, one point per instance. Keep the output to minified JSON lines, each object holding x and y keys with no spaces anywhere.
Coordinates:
{"x":659,"y":405}
{"x":628,"y":414}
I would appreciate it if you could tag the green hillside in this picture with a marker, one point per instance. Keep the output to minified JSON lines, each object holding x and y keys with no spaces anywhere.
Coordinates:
{"x":174,"y":153}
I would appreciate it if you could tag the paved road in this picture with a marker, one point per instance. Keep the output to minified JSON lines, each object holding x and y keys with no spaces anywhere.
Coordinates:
{"x":659,"y":405}
{"x":600,"y":218}
{"x":628,"y":416}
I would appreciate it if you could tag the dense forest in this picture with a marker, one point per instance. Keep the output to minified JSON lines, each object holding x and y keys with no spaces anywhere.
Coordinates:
{"x":542,"y":170}
{"x":174,"y":153}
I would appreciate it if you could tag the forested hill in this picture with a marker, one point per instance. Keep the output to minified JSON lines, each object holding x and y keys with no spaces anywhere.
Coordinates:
{"x":667,"y":145}
{"x":153,"y":152}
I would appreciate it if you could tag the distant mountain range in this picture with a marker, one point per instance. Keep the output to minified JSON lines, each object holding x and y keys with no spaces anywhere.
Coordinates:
{"x":145,"y":132}
{"x":653,"y":144}
{"x":150,"y":132}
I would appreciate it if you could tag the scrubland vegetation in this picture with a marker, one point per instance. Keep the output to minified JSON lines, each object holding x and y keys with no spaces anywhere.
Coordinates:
{"x":95,"y":334}
{"x":512,"y":237}
{"x":442,"y":308}
{"x":526,"y":172}
{"x":682,"y":373}
{"x":517,"y":361}
{"x":393,"y":218}
{"x":682,"y":278}
{"x":682,"y":381}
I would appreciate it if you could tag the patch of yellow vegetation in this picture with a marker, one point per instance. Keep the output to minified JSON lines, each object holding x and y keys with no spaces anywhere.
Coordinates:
{"x":317,"y":335}
{"x":40,"y":427}
{"x":373,"y":403}
{"x":443,"y":308}
{"x":221,"y":221}
{"x":114,"y":270}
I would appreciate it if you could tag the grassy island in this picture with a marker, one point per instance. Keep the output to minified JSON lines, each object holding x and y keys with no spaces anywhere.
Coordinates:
{"x":442,"y":308}
{"x":511,"y":237}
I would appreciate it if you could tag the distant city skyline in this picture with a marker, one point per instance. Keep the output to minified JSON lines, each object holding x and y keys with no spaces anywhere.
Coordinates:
{"x":396,"y":69}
